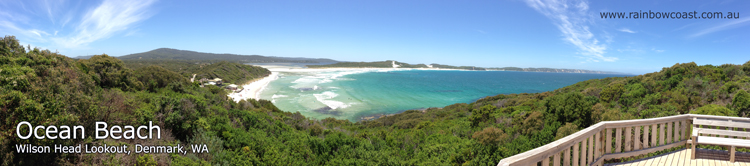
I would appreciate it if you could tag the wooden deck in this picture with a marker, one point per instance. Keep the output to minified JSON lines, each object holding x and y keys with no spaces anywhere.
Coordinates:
{"x":682,"y":157}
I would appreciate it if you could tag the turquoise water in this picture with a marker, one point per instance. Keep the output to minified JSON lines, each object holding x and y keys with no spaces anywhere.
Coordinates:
{"x":354,"y":94}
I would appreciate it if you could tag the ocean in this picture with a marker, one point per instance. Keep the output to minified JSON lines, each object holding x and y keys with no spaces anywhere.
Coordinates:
{"x":355,"y":94}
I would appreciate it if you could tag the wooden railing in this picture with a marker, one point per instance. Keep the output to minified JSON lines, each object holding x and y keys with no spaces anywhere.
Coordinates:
{"x":612,"y":140}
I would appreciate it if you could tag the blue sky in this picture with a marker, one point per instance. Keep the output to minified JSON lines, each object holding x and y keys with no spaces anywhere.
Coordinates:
{"x":498,"y":33}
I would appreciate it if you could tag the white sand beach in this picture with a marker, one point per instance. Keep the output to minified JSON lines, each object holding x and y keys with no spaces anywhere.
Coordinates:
{"x":253,"y":89}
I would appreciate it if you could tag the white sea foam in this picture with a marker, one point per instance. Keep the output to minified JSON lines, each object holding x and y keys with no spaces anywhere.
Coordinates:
{"x":325,"y":99}
{"x":278,"y":96}
{"x":325,"y":81}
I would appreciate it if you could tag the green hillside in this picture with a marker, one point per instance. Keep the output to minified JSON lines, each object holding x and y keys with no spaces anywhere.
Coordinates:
{"x":175,"y":54}
{"x":230,"y":72}
{"x":46,"y":88}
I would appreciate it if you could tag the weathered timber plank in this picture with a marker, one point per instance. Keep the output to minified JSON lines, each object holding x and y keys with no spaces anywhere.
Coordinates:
{"x":618,"y":140}
{"x":720,"y":123}
{"x":644,"y":151}
{"x":654,"y":135}
{"x":566,"y":158}
{"x":608,"y":141}
{"x":723,"y":132}
{"x":575,"y":154}
{"x":669,"y":133}
{"x":646,"y":143}
{"x":628,"y":141}
{"x":590,"y":156}
{"x":662,"y":133}
{"x":637,"y":142}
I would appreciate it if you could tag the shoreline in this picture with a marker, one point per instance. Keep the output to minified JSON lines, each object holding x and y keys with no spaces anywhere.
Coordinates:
{"x":252,"y":89}
{"x":288,"y":69}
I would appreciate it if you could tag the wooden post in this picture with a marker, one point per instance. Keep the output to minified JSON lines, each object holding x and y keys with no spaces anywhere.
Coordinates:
{"x":669,"y":133}
{"x":608,"y":142}
{"x":590,"y":158}
{"x":618,"y":140}
{"x":637,"y":137}
{"x":654,"y":133}
{"x":584,"y":146}
{"x":628,"y":141}
{"x":556,"y":161}
{"x":731,"y":154}
{"x":599,"y":150}
{"x":662,"y":133}
{"x":695,"y":141}
{"x":685,"y":131}
{"x":677,"y":135}
{"x":566,"y":158}
{"x":575,"y":153}
{"x":545,"y":162}
{"x":646,"y":144}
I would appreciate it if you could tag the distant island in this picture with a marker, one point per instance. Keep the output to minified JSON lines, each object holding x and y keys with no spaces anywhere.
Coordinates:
{"x":396,"y":64}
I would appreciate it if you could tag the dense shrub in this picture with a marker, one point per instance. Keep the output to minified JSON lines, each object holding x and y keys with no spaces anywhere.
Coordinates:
{"x":713,"y":109}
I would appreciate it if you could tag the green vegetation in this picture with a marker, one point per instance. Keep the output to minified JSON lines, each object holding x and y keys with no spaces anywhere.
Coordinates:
{"x":389,"y":64}
{"x":230,"y":72}
{"x":45,"y":88}
{"x":174,"y":54}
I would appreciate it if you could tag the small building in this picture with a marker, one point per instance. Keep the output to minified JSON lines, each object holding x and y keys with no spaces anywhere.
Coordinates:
{"x":232,"y":87}
{"x":217,"y":81}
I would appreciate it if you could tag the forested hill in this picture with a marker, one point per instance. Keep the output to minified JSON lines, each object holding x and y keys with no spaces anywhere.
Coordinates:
{"x":230,"y":72}
{"x":46,"y":88}
{"x":389,"y":64}
{"x":174,"y":54}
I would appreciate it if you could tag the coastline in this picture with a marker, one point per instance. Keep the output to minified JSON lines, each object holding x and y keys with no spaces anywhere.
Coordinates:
{"x":251,"y":90}
{"x":353,"y":69}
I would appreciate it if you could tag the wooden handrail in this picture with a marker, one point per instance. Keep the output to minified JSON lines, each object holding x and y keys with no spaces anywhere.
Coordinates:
{"x":594,"y":144}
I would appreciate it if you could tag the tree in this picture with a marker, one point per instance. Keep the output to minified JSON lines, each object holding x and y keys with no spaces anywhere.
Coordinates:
{"x":612,"y":92}
{"x":567,"y":129}
{"x":570,"y":108}
{"x":110,"y":72}
{"x":741,"y":103}
{"x":482,"y":114}
{"x":713,"y":109}
{"x":490,"y":136}
{"x":154,"y":77}
{"x":533,"y":123}
{"x":596,"y":113}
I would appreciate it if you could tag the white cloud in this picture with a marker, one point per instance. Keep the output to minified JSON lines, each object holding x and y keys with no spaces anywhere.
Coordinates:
{"x":571,"y":18}
{"x":728,"y":25}
{"x":626,"y":30}
{"x":102,"y":21}
{"x":109,"y":18}
{"x":33,"y":35}
{"x":630,"y":50}
{"x":655,"y":50}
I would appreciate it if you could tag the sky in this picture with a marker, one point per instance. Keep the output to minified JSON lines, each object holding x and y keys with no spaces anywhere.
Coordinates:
{"x":498,"y":33}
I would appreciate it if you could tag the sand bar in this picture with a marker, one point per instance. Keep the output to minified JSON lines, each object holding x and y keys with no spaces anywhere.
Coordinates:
{"x":252,"y":90}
